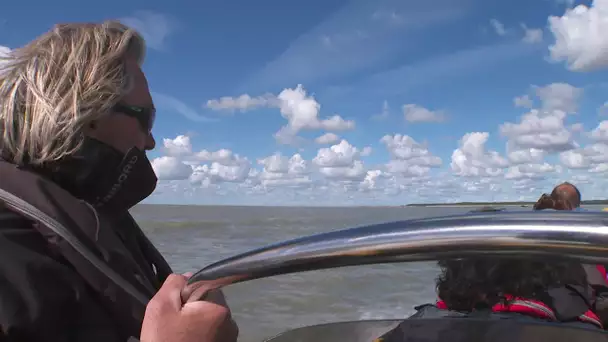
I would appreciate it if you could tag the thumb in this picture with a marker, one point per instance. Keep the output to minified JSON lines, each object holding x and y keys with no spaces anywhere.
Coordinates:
{"x":169,"y":295}
{"x":195,"y":292}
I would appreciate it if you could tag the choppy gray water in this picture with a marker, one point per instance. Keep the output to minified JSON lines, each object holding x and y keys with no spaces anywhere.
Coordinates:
{"x":191,"y":237}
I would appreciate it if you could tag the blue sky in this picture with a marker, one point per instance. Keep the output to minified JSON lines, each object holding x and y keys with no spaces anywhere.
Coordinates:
{"x":364,"y":102}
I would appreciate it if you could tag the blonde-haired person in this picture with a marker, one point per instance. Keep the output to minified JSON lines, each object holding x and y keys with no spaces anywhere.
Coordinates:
{"x":76,"y":119}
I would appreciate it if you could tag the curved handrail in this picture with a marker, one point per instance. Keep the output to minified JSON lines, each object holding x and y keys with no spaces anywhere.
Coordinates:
{"x":581,"y":236}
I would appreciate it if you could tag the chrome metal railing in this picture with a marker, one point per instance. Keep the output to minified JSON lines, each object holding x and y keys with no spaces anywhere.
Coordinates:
{"x":581,"y":236}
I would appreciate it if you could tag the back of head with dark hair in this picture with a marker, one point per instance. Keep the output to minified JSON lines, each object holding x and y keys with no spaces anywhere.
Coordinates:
{"x":466,"y":284}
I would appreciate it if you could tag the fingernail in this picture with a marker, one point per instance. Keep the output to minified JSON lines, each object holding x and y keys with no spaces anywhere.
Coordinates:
{"x":188,"y":274}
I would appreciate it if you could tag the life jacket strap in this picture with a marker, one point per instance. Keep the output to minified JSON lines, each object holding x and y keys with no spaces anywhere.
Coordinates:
{"x":532,"y":308}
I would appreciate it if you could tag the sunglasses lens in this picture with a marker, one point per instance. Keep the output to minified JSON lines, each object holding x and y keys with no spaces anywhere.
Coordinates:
{"x":145,"y":116}
{"x":151,"y":119}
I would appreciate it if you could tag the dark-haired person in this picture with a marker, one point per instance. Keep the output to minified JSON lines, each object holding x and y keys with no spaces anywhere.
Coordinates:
{"x":515,"y":289}
{"x":566,"y":196}
{"x":509,"y":289}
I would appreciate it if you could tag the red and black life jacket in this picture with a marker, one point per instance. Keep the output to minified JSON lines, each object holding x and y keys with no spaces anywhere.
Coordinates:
{"x":533,"y":308}
{"x":602,"y":270}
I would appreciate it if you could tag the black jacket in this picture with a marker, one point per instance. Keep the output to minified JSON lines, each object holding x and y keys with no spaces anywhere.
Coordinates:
{"x":48,"y":290}
{"x":446,"y":325}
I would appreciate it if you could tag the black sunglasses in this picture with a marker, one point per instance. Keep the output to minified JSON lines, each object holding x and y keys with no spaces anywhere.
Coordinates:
{"x":145,"y":115}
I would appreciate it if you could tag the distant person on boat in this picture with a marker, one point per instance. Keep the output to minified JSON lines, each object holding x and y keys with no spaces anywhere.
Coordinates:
{"x":567,"y":197}
{"x":76,"y":119}
{"x":564,"y":196}
{"x":509,"y":289}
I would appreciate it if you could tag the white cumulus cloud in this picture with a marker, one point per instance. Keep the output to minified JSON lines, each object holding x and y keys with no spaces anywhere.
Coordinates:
{"x":327,"y":138}
{"x":580,"y":37}
{"x":171,"y":168}
{"x":530,"y":155}
{"x":299,"y":109}
{"x":472,"y":158}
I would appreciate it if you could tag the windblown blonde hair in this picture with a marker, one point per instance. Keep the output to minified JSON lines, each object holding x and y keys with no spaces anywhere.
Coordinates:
{"x":53,"y":87}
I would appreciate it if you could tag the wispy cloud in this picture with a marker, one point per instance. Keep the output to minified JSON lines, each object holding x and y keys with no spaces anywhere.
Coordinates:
{"x":414,"y":113}
{"x":170,"y":103}
{"x":532,"y":35}
{"x":384,"y":114}
{"x":568,"y":3}
{"x":603,"y":110}
{"x":155,"y":27}
{"x":499,"y":28}
{"x":466,"y":61}
{"x":359,"y":37}
{"x":391,"y":17}
{"x":528,"y":35}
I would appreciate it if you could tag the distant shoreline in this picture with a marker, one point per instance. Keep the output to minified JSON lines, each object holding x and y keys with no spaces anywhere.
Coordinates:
{"x":466,"y":205}
{"x":429,"y":205}
{"x":492,"y":204}
{"x":447,"y":205}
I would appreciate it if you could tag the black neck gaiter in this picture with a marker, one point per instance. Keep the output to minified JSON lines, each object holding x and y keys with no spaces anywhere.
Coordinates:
{"x":105,"y":177}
